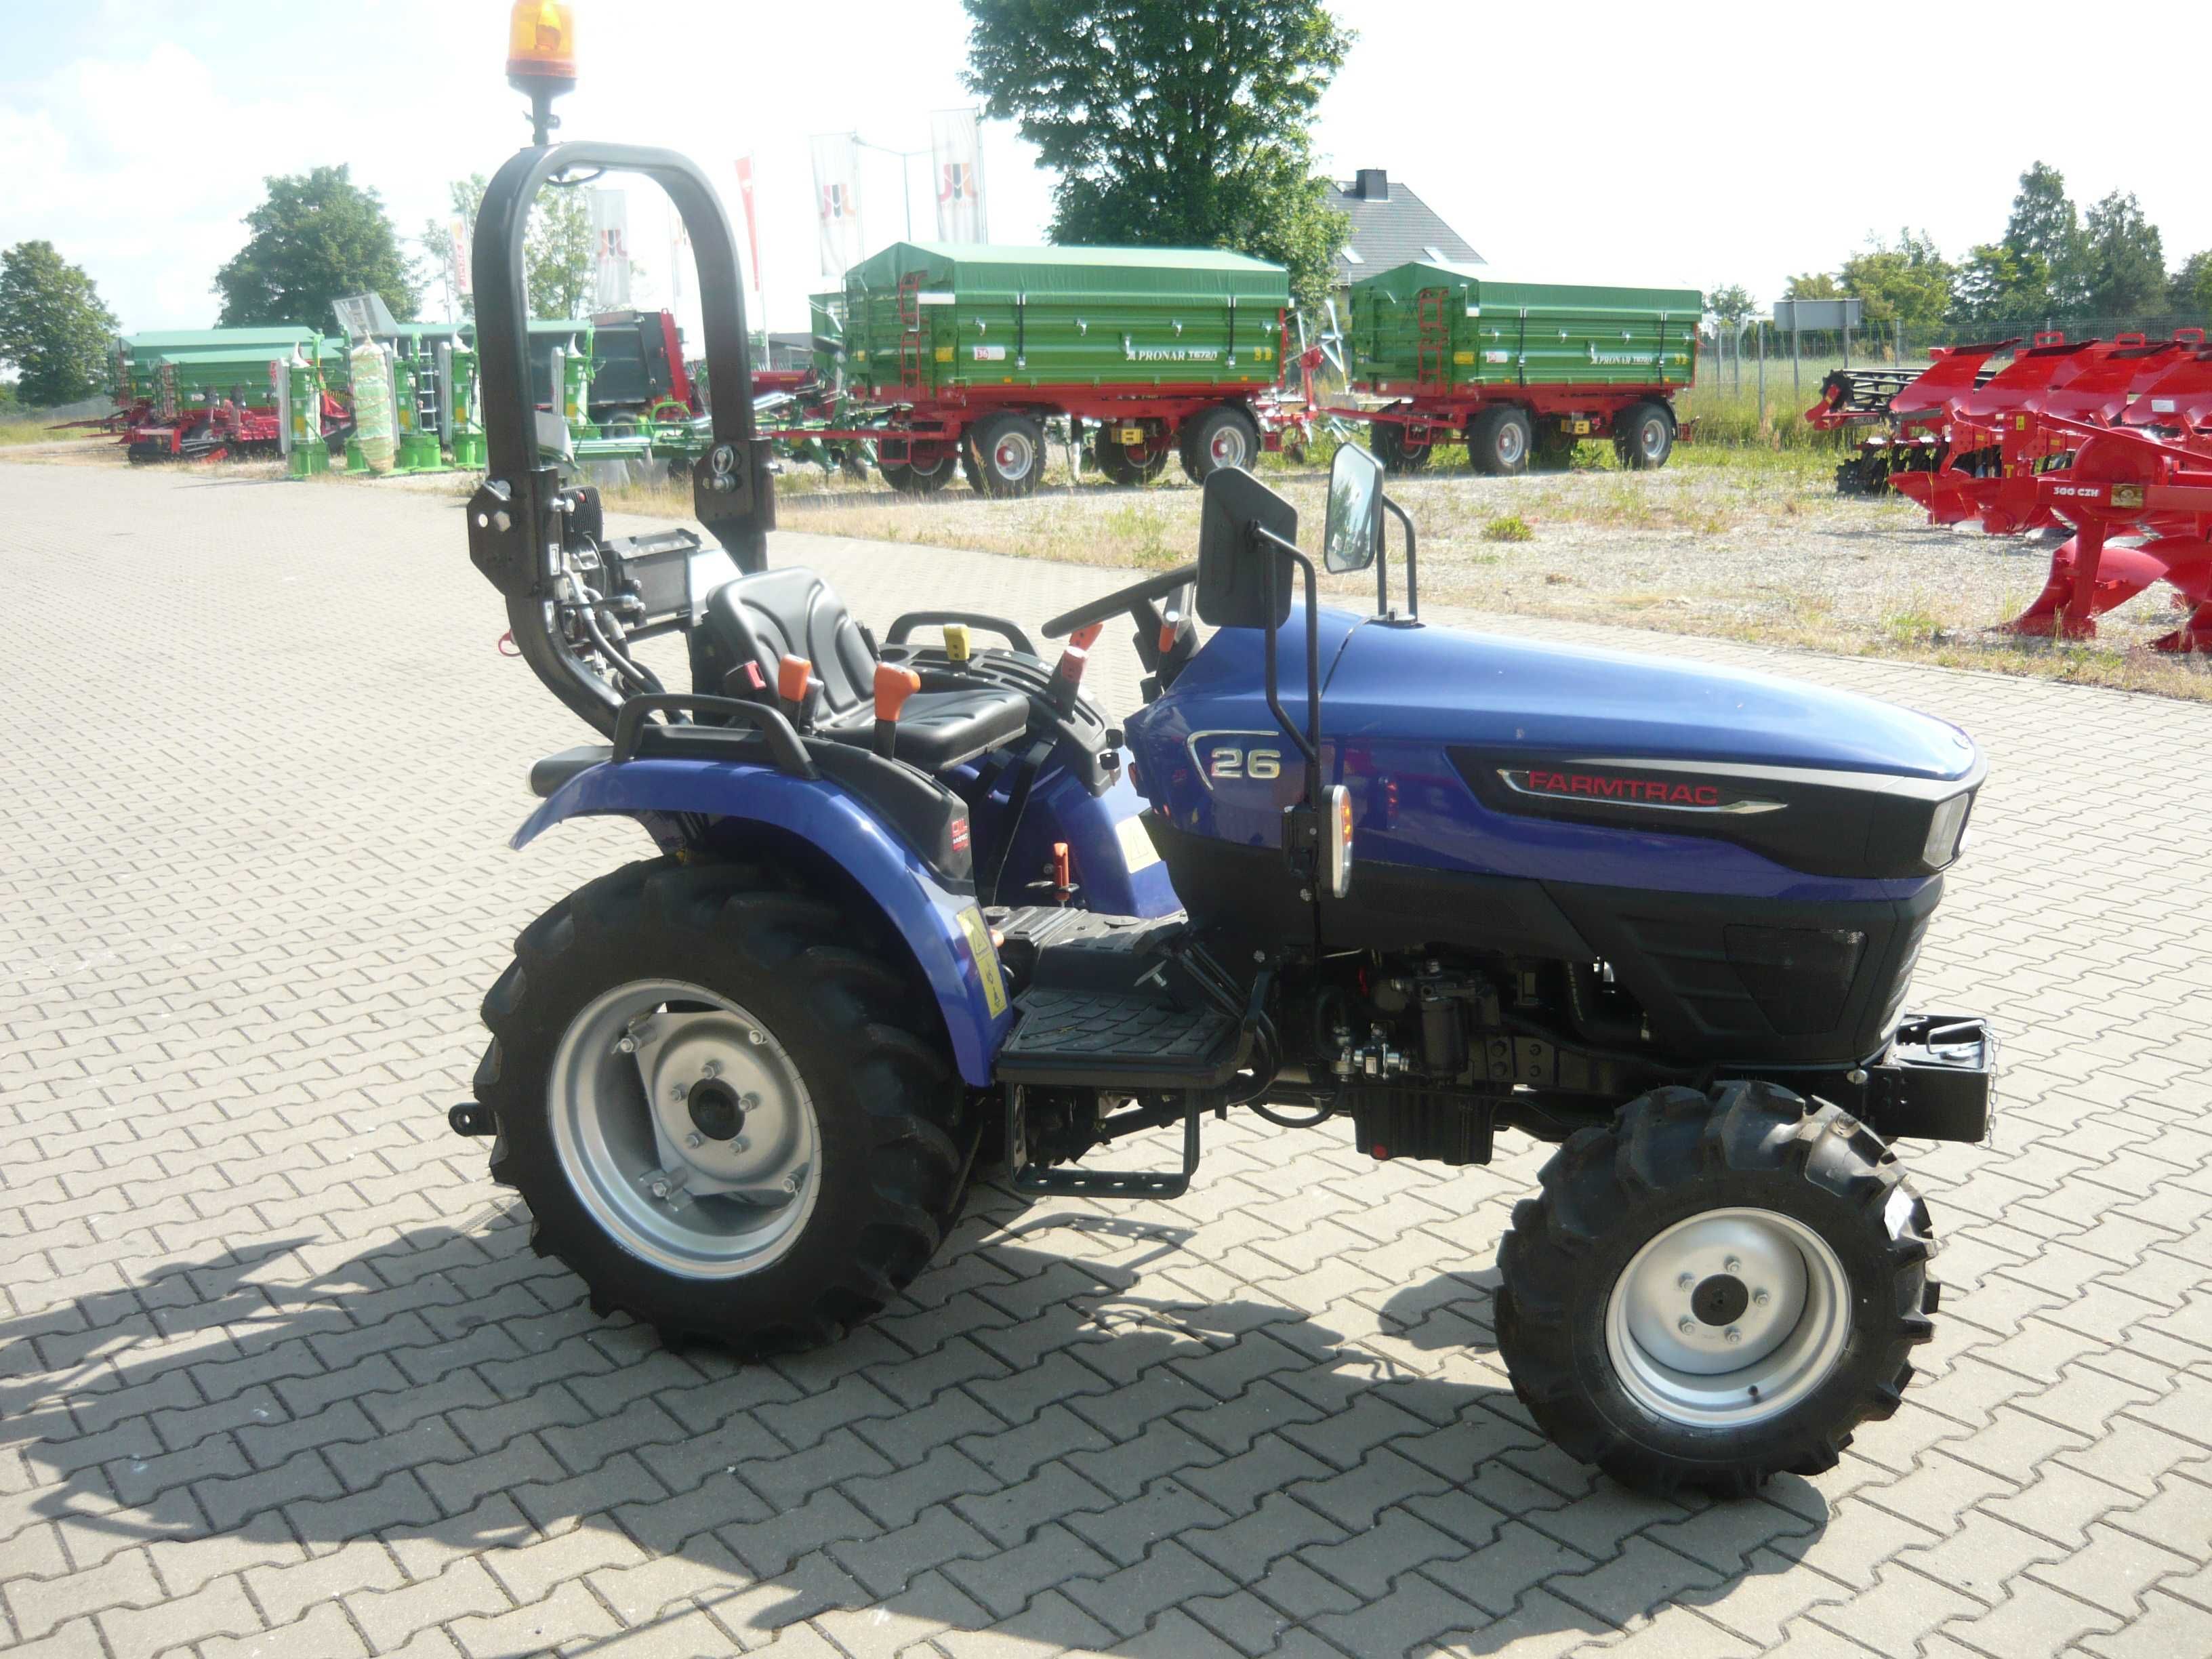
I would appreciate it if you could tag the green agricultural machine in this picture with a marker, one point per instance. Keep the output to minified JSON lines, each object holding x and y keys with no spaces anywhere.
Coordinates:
{"x":1520,"y":370}
{"x":959,"y":354}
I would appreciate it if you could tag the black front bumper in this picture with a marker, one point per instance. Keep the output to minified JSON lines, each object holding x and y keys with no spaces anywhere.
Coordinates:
{"x":1935,"y":1080}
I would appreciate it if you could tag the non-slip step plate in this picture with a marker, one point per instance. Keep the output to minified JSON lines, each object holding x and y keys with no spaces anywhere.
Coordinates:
{"x":1128,"y":1039}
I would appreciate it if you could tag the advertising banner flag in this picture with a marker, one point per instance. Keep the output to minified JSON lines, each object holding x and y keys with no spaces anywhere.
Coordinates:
{"x":610,"y":251}
{"x":457,"y":233}
{"x":752,"y":227}
{"x":837,"y":202}
{"x":956,"y":154}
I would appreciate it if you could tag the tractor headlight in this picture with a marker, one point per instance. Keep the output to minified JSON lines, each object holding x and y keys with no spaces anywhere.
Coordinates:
{"x":1946,"y":827}
{"x":1336,"y":839}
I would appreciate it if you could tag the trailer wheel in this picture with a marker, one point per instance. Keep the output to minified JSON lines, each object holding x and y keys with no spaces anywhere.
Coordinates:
{"x":726,"y":1101}
{"x":1498,"y":441}
{"x":1008,"y":454}
{"x":1223,"y":436}
{"x":926,"y":470}
{"x":1398,"y":453}
{"x":1129,"y":464}
{"x":1715,"y":1289}
{"x":1644,"y":437}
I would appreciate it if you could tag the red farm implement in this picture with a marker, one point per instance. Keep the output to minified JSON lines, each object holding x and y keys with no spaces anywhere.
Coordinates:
{"x":2110,"y":438}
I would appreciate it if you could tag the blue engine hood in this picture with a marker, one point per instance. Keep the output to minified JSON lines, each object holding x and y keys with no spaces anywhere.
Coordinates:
{"x":1451,"y":686}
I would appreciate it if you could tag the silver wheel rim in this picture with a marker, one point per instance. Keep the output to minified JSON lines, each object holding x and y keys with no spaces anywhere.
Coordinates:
{"x":685,"y":1129}
{"x":1789,"y":1303}
{"x":1227,"y":447}
{"x":1012,"y":456}
{"x":1654,"y":439}
{"x":1511,"y":442}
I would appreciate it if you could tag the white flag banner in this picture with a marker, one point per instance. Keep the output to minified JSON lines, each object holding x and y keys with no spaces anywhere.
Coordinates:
{"x":611,"y":249}
{"x":837,"y":202}
{"x":956,"y":155}
{"x":458,"y":234}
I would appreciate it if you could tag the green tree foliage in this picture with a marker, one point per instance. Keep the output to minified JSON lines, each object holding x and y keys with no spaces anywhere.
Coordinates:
{"x":1812,"y":285}
{"x":1173,"y":123}
{"x":1732,"y":303}
{"x":1995,"y":284}
{"x":2045,"y":231}
{"x":556,"y":246}
{"x":1909,"y":284}
{"x":2126,"y":257}
{"x":318,"y":237}
{"x":53,"y":327}
{"x":2190,"y":288}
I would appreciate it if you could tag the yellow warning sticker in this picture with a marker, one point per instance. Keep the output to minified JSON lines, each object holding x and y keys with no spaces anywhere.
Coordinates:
{"x":987,"y":960}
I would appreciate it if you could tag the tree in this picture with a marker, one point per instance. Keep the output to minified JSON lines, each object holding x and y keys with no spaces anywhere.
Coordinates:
{"x":556,"y":246}
{"x":2126,"y":257}
{"x":2046,"y":226}
{"x":1909,"y":284}
{"x":52,"y":327}
{"x":2190,"y":288}
{"x":1731,"y":303}
{"x":318,"y":237}
{"x":1812,"y":285}
{"x":1173,"y":123}
{"x":1995,"y":284}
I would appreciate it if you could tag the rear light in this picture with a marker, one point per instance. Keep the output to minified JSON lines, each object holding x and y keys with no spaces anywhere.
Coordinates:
{"x":1336,"y":839}
{"x":1800,"y":977}
{"x":1946,"y":830}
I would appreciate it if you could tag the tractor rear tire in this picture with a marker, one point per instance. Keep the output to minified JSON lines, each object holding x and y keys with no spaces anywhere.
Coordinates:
{"x":1004,"y":455}
{"x":827,"y":1162}
{"x":1397,"y":454}
{"x":1715,"y":1289}
{"x":1498,"y":441}
{"x":1223,"y":436}
{"x":1644,"y":437}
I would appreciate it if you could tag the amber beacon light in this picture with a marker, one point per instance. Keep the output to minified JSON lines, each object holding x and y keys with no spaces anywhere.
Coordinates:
{"x":541,"y":57}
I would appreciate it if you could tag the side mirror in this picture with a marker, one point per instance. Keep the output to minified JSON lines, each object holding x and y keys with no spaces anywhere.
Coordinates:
{"x":1355,"y":510}
{"x":1232,"y":562}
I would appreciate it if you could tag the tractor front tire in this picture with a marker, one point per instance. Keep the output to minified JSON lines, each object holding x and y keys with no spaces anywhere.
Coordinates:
{"x":1716,"y":1289}
{"x":727,"y":1101}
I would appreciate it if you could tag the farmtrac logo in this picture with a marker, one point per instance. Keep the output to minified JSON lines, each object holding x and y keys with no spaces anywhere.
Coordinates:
{"x":1622,"y":789}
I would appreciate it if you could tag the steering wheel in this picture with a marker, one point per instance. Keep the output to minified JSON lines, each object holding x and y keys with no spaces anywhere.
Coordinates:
{"x":1127,"y":598}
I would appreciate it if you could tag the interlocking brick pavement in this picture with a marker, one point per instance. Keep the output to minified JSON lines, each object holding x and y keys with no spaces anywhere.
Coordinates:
{"x":278,"y":1373}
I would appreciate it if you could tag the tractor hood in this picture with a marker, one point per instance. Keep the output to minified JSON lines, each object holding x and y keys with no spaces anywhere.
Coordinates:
{"x":1449,"y":686}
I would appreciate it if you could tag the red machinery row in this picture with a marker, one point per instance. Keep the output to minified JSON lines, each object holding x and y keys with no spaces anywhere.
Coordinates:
{"x":2112,"y":438}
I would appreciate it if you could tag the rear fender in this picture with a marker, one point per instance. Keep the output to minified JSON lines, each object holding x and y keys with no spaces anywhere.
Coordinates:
{"x":939,"y":922}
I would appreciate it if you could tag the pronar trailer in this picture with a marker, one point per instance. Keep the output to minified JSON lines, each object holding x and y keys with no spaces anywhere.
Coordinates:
{"x":961,"y":352}
{"x":1442,"y":352}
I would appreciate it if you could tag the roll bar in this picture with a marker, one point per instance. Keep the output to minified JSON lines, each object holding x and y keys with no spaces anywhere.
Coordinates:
{"x":520,"y":519}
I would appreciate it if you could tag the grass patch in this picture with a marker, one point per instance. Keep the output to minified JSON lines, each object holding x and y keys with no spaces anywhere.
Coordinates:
{"x":36,"y":429}
{"x":1507,"y":527}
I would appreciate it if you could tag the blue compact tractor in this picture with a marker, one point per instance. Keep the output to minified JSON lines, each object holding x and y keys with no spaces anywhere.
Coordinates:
{"x":919,"y":910}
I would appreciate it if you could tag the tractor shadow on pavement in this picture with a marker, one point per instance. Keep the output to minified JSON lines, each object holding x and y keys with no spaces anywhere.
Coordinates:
{"x":1077,"y":1430}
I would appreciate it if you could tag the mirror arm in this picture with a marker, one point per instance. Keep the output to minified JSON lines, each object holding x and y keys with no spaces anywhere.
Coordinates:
{"x":1309,"y":741}
{"x":1413,"y":594}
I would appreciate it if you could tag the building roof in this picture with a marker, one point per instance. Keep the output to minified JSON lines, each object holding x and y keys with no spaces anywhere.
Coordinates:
{"x":1390,"y":226}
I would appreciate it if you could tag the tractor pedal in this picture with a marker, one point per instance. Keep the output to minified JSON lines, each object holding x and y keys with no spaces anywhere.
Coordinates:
{"x":1041,"y":1181}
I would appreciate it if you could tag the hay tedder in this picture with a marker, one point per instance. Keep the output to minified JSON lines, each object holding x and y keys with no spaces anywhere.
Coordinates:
{"x":2112,"y":439}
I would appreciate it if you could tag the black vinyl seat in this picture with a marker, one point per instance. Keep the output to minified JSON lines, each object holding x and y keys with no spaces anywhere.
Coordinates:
{"x":793,"y":611}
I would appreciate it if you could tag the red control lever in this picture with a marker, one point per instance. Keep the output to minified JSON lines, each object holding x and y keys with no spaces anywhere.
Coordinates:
{"x":893,"y":687}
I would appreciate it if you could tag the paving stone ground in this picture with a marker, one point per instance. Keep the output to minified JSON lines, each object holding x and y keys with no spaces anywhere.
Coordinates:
{"x":279,"y":1375}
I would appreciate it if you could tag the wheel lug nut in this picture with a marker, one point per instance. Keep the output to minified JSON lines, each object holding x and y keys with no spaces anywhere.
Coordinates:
{"x":1686,"y":1282}
{"x":756,"y":1038}
{"x":660,"y":1189}
{"x":712,"y":1068}
{"x":1733,"y":1334}
{"x":676,"y":1091}
{"x":1760,"y":1298}
{"x":1733,"y":1265}
{"x":741,"y":1145}
{"x":627,"y":1046}
{"x":691,"y":1140}
{"x":1687,"y":1327}
{"x":791,"y":1183}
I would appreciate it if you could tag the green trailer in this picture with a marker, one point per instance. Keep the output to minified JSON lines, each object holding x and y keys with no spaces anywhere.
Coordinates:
{"x":962,"y":352}
{"x":1517,"y":368}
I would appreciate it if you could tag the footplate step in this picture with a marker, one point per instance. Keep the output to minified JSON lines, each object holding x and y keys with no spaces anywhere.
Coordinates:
{"x":1071,"y":1182}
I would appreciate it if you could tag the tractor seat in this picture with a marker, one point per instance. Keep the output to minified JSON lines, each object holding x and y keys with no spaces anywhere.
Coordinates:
{"x":793,"y":611}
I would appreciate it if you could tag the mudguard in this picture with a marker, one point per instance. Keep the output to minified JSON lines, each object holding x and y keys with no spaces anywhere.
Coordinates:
{"x":940,"y":923}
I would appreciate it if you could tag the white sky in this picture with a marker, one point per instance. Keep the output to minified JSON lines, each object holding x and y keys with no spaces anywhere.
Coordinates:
{"x":1729,"y":143}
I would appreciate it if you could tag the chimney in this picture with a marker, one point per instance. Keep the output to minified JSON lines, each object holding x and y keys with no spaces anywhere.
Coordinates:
{"x":1374,"y":184}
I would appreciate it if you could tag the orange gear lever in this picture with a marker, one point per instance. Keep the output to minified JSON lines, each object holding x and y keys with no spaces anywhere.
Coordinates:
{"x":893,"y":687}
{"x":793,"y":676}
{"x":1067,"y":678}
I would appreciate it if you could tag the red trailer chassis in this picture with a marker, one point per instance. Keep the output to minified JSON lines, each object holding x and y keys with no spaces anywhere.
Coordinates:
{"x":1407,"y":430}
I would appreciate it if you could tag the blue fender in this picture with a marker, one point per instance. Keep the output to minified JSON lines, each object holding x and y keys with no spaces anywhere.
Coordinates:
{"x":941,"y":925}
